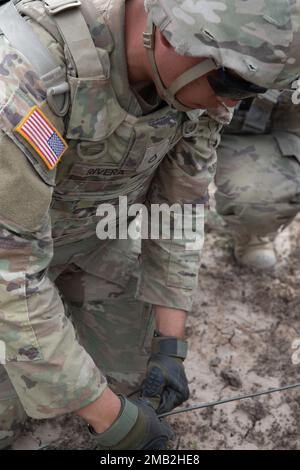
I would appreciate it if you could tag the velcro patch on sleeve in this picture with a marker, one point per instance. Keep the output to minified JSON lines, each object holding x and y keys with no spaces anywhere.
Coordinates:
{"x":42,"y":136}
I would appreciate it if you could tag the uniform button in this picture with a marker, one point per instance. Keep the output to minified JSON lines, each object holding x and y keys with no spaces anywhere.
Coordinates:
{"x":190,"y":128}
{"x":152,"y":159}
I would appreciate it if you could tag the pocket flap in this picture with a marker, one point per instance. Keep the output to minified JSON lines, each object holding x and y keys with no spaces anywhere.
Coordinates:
{"x":288,"y":143}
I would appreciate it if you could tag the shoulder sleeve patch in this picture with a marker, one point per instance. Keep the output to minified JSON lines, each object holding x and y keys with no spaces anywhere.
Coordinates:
{"x":20,"y":91}
{"x":42,"y":136}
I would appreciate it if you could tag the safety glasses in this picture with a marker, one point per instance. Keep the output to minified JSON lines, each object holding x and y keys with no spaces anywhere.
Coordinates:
{"x":226,"y":85}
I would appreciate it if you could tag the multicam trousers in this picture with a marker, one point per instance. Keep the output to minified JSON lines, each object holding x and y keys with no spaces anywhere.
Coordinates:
{"x":258,"y":182}
{"x":97,"y":287}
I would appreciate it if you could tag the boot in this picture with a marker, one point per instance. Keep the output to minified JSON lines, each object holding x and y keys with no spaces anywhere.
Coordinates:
{"x":255,"y":251}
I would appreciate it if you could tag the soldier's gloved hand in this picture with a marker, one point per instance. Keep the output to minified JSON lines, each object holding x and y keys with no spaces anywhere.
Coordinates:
{"x":136,"y":428}
{"x":165,"y":385}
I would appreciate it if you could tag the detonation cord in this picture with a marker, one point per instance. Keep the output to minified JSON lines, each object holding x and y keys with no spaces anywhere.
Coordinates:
{"x":228,"y":400}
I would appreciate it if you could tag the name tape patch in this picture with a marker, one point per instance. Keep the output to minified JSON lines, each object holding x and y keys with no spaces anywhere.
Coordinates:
{"x":40,"y":134}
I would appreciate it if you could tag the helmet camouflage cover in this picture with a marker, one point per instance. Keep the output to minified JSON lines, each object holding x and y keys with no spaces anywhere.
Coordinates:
{"x":257,"y":39}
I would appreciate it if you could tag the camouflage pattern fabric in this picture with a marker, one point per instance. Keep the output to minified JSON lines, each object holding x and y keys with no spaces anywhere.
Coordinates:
{"x":258,"y":176}
{"x":263,"y":49}
{"x":12,"y":413}
{"x":113,"y":326}
{"x":54,"y":273}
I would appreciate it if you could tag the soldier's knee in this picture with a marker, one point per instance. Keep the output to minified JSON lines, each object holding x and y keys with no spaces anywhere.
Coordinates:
{"x":12,"y":420}
{"x":231,"y":201}
{"x":258,"y":218}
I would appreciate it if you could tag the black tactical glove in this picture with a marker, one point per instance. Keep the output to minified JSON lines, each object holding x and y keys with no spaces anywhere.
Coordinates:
{"x":165,"y":385}
{"x":136,"y":428}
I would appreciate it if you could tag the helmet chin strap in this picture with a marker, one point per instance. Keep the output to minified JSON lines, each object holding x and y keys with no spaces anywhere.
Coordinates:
{"x":168,"y":94}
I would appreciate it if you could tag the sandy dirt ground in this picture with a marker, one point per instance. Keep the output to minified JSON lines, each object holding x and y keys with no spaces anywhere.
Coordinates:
{"x":241,"y":332}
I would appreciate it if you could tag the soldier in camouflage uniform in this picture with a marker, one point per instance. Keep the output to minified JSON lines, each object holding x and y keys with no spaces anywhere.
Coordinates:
{"x":258,"y":175}
{"x":112,"y":98}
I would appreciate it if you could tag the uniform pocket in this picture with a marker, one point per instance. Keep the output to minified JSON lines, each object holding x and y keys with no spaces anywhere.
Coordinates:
{"x":289,"y":144}
{"x":183,"y":265}
{"x":95,"y":112}
{"x":17,"y":336}
{"x":113,"y":261}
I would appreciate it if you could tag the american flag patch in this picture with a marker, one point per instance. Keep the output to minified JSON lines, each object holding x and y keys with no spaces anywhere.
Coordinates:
{"x":38,"y":131}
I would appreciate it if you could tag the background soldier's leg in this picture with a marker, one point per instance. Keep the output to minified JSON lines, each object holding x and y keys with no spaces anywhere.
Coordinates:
{"x":258,"y":193}
{"x":12,"y":414}
{"x":114,"y":327}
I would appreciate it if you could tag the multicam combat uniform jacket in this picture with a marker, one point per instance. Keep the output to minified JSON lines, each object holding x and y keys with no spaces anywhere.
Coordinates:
{"x":118,"y":145}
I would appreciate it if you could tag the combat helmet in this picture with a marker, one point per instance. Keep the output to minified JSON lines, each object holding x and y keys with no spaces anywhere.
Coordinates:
{"x":256,"y":39}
